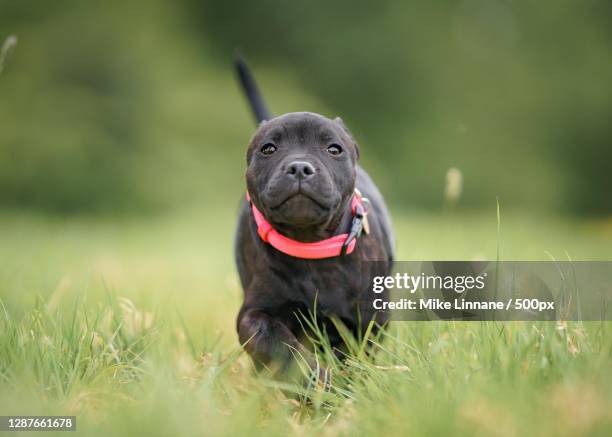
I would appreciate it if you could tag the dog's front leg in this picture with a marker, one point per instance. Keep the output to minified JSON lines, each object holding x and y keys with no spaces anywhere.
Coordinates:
{"x":269,"y":341}
{"x":271,"y":344}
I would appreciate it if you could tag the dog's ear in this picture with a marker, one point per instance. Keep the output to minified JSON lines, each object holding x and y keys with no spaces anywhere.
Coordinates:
{"x":340,"y":123}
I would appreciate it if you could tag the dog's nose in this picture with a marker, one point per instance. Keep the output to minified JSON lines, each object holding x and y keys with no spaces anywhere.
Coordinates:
{"x":300,"y":170}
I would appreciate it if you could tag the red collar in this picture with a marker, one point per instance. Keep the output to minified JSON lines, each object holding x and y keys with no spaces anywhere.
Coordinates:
{"x":330,"y":247}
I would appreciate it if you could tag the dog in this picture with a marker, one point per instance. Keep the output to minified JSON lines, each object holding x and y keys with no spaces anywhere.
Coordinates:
{"x":309,"y":225}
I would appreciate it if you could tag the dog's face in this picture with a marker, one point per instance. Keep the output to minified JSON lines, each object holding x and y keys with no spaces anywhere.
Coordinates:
{"x":301,"y":169}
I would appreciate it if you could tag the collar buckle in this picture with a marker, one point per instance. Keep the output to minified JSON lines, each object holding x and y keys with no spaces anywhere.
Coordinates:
{"x":357,"y":225}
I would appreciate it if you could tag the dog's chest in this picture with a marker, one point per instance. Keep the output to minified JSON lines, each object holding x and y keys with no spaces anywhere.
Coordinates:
{"x":333,"y":288}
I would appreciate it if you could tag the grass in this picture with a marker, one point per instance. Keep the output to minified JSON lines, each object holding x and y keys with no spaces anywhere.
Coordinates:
{"x":129,"y":324}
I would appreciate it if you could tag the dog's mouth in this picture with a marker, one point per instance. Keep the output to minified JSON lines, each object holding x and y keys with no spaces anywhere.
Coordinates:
{"x":299,"y":209}
{"x":299,"y":198}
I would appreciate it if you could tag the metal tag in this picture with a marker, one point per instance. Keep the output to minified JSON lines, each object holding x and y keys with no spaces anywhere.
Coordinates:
{"x":366,"y":225}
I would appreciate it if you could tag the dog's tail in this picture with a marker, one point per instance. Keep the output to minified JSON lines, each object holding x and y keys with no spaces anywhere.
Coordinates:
{"x":247,"y":81}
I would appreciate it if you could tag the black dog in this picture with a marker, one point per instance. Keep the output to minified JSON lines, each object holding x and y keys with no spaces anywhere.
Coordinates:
{"x":311,"y":219}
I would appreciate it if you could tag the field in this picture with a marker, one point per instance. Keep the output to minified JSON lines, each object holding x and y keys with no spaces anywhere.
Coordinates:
{"x":128,"y":323}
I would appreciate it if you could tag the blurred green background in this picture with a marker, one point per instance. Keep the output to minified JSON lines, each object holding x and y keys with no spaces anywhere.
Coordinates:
{"x":133,"y":106}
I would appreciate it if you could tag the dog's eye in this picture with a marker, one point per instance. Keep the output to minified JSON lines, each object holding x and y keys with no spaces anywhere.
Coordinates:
{"x":334,"y":149}
{"x":268,"y":149}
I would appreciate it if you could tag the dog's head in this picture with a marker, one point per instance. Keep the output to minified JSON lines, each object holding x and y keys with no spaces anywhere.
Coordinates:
{"x":301,"y":170}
